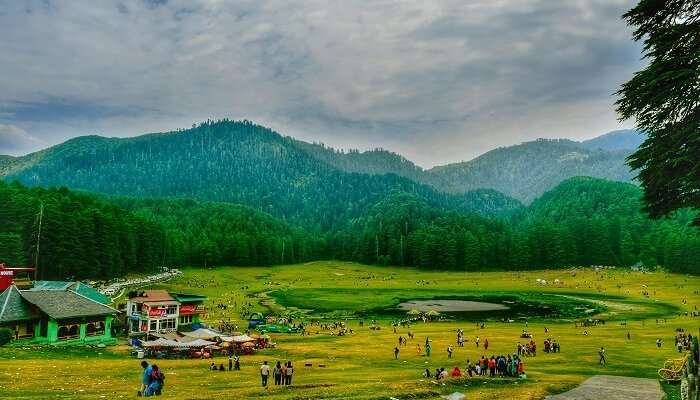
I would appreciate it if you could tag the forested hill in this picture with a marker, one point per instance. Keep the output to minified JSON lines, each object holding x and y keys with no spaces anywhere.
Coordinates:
{"x":524,"y":171}
{"x":237,"y":162}
{"x":373,"y":162}
{"x":528,"y":170}
{"x":626,"y":139}
{"x":82,"y":236}
{"x":583,"y":221}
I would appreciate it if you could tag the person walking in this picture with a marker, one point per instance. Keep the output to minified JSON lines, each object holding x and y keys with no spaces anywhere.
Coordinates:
{"x":230,"y":362}
{"x":396,"y":353}
{"x":237,"y":363}
{"x":264,"y":373}
{"x":601,"y":353}
{"x":290,"y":373}
{"x":277,"y":374}
{"x":658,"y":342}
{"x":449,"y":351}
{"x":477,"y":340}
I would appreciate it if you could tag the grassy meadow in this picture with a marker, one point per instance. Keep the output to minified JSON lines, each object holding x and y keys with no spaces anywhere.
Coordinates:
{"x":362,"y":365}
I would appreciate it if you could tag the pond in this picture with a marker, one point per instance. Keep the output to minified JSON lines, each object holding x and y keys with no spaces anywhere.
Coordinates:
{"x":451,"y":306}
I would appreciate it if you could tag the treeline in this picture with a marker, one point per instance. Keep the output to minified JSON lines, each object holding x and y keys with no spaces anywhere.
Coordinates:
{"x":81,"y":237}
{"x":208,"y":233}
{"x":582,"y":222}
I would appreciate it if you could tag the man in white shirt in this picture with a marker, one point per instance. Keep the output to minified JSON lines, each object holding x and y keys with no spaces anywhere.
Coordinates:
{"x":264,"y":373}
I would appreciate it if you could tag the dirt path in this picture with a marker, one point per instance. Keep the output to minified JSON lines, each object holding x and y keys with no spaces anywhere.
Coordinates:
{"x":605,"y":387}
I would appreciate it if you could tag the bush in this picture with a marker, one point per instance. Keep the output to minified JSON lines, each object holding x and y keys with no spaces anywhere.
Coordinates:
{"x":5,"y":336}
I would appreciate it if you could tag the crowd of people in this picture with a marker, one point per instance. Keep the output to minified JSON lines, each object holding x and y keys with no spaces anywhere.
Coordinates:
{"x":495,"y":366}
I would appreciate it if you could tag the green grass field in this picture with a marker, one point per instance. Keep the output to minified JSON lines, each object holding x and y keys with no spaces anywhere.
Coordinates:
{"x":362,"y":365}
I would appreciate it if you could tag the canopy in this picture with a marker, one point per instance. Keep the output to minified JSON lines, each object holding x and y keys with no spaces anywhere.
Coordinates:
{"x":199,"y":343}
{"x":248,"y":344}
{"x":163,"y":343}
{"x":413,"y":312}
{"x":202,"y":333}
{"x":243,"y":339}
{"x":432,"y":313}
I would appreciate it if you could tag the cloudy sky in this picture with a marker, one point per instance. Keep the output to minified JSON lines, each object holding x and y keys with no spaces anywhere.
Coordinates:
{"x":437,"y":81}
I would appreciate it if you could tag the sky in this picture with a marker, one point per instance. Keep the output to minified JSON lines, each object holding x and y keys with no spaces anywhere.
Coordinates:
{"x":436,"y":81}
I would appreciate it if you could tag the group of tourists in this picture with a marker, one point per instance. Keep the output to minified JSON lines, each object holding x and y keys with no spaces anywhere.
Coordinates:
{"x":683,"y":340}
{"x":551,"y":346}
{"x":152,"y":380}
{"x":496,"y":366}
{"x":528,"y":349}
{"x":234,"y":364}
{"x":281,"y":373}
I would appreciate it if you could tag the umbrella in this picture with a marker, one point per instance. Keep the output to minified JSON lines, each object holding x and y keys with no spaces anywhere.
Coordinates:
{"x":413,"y":312}
{"x":248,"y":344}
{"x":432,"y":313}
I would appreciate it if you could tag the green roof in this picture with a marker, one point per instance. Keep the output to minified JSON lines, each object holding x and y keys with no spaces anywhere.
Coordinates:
{"x":62,"y":304}
{"x":90,"y":292}
{"x":14,"y":308}
{"x":188,"y":298}
{"x":79,"y":287}
{"x":53,"y":285}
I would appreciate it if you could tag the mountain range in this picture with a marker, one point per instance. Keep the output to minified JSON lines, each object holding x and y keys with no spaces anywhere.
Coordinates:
{"x":241,"y":162}
{"x":236,"y":193}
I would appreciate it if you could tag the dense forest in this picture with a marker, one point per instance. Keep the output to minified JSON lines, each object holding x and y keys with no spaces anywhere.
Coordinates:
{"x":235,"y":193}
{"x":81,"y":236}
{"x":584,"y":221}
{"x":236,"y":162}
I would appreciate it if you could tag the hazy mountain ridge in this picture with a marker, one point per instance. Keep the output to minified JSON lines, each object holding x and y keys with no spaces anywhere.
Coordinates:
{"x":523,"y":171}
{"x":236,"y":162}
{"x":286,"y":165}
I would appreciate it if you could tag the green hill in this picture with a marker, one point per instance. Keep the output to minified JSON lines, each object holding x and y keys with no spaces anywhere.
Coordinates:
{"x":527,"y":170}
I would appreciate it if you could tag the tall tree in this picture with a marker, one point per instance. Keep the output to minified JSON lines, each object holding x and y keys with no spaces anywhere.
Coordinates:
{"x":664,"y":99}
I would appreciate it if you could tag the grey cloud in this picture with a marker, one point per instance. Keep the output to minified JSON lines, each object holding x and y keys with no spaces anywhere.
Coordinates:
{"x":15,"y":140}
{"x":437,"y":81}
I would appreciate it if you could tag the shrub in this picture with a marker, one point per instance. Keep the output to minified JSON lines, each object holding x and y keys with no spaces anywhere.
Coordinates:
{"x":5,"y":336}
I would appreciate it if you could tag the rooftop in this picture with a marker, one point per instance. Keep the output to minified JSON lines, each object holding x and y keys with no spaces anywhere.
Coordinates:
{"x":62,"y":304}
{"x":152,"y":296}
{"x":14,"y":308}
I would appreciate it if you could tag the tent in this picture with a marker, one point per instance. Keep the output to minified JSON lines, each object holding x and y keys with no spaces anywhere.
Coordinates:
{"x":414,"y":312}
{"x":163,"y":343}
{"x":243,"y":339}
{"x":199,"y":343}
{"x":202,"y":333}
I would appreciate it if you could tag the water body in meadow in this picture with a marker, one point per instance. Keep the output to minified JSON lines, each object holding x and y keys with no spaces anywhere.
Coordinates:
{"x":451,"y":306}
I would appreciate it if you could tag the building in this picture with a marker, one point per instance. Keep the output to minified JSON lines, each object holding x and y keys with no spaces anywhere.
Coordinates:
{"x":56,"y":313}
{"x":157,"y":311}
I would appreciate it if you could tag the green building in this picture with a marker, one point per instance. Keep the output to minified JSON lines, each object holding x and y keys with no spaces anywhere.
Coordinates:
{"x":57,"y":313}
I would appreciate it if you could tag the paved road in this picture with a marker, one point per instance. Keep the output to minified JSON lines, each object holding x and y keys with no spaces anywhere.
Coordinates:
{"x":605,"y":387}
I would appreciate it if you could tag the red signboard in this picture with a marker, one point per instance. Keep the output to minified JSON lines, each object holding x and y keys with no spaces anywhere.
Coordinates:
{"x":5,"y":278}
{"x":157,"y":312}
{"x":187,"y":309}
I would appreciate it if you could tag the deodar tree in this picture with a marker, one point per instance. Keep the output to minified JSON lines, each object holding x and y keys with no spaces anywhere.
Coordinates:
{"x":664,"y":99}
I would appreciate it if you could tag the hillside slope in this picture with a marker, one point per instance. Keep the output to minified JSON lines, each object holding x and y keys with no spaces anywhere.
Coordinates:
{"x":528,"y":170}
{"x":238,"y":162}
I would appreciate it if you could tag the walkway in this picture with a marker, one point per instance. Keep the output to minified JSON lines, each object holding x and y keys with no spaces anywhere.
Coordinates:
{"x":605,"y":387}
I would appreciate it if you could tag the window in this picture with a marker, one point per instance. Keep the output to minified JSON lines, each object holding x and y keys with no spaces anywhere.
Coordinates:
{"x":172,"y":310}
{"x":167,"y":323}
{"x":185,"y":319}
{"x":153,"y":325}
